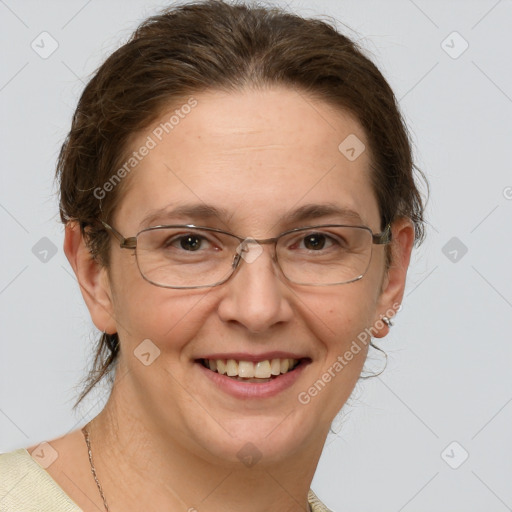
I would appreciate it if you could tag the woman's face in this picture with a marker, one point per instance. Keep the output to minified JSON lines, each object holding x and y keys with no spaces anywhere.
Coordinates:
{"x":256,"y":157}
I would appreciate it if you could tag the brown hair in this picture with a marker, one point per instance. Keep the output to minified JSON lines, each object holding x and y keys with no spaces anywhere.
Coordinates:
{"x":208,"y":45}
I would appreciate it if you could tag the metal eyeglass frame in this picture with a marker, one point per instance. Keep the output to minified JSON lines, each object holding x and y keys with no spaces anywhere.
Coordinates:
{"x":131,"y":243}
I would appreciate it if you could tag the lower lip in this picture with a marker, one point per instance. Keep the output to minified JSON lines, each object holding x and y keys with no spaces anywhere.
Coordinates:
{"x":245,"y":390}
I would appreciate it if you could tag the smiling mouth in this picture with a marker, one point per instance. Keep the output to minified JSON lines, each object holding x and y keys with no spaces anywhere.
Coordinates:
{"x":248,"y":371}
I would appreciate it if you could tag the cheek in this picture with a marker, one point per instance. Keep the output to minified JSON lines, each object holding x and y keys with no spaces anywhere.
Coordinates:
{"x":166,"y":318}
{"x":339,"y":314}
{"x":169,"y":318}
{"x":338,"y":321}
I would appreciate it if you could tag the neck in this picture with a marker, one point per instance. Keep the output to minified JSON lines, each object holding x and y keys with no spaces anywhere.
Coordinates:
{"x":140,"y":463}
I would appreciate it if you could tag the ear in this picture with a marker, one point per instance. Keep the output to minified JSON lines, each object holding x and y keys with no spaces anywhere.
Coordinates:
{"x":92,"y":278}
{"x":393,"y":285}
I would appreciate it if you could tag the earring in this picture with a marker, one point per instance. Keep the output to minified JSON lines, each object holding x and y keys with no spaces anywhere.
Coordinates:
{"x":387,"y":321}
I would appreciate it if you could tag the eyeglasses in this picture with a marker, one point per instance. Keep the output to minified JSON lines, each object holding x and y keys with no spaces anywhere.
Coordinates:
{"x":188,"y":256}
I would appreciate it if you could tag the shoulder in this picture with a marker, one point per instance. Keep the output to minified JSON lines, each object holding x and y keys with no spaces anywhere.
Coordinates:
{"x":315,"y":504}
{"x":26,"y":487}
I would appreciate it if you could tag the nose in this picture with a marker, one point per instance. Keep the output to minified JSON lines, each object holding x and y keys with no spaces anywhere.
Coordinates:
{"x":256,"y":296}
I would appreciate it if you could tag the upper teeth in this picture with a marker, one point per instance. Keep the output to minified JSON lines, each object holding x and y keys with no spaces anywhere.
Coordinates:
{"x":248,"y":369}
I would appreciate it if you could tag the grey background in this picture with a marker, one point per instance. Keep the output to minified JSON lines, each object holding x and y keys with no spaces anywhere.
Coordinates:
{"x":448,"y":377}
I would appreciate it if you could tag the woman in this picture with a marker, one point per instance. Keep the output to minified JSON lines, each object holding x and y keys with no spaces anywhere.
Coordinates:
{"x":240,"y":208}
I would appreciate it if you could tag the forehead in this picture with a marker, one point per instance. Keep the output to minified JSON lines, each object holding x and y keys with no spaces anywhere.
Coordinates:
{"x":254,"y":154}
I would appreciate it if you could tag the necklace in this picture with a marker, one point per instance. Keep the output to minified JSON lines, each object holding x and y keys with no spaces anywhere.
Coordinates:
{"x":93,"y":469}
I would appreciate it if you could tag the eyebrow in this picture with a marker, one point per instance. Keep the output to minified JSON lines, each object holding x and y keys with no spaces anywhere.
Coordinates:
{"x":202,"y":211}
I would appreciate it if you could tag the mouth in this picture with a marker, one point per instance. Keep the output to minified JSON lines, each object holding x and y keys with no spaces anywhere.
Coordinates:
{"x":261,"y":372}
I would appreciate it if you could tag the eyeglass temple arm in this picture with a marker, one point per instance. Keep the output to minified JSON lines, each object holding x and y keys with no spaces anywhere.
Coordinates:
{"x":384,"y":237}
{"x":124,"y":243}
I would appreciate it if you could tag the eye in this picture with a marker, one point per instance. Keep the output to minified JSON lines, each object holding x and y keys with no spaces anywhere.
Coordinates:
{"x":316,"y":241}
{"x":191,"y":242}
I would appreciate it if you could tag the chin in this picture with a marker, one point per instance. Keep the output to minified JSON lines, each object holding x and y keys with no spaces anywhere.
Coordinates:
{"x":262,"y":440}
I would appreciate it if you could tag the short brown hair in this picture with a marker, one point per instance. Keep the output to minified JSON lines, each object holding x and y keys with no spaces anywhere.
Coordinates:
{"x":213,"y":45}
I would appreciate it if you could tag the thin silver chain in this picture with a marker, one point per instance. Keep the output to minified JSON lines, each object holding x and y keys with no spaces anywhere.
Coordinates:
{"x":93,"y":469}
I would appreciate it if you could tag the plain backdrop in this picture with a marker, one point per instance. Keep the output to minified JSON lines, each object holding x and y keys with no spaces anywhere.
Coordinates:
{"x":433,"y":431}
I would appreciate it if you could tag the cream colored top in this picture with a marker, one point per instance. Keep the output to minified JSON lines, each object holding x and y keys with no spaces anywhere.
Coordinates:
{"x":25,"y":486}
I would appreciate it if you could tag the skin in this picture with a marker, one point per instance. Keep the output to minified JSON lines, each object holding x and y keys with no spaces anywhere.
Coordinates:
{"x":167,"y":437}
